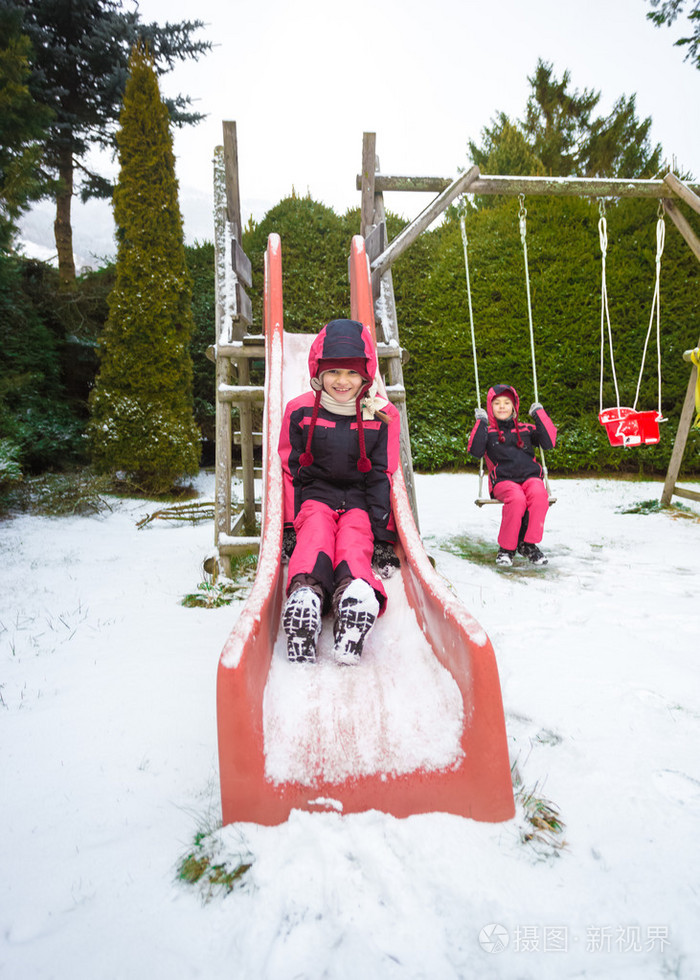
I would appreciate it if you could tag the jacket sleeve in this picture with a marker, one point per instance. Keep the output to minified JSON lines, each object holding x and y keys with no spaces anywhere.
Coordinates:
{"x":385,"y":461}
{"x":290,"y":448}
{"x":545,"y":434}
{"x":476,"y":446}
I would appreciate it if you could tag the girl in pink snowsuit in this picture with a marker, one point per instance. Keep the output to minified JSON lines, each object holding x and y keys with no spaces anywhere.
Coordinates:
{"x":515,"y":475}
{"x":339,"y":445}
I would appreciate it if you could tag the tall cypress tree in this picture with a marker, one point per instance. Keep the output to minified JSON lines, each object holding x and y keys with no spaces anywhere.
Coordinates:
{"x":142,"y":416}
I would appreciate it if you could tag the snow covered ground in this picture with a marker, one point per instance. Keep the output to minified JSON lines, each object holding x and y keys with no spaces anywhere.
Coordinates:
{"x":109,"y":765}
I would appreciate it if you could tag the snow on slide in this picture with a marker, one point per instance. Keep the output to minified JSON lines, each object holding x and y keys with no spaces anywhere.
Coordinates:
{"x":398,"y":711}
{"x":417,"y":726}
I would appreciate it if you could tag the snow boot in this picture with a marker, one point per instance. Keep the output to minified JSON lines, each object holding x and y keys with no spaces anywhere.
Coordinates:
{"x":357,"y":611}
{"x":532,"y":553}
{"x":301,"y":621}
{"x":504,"y":557}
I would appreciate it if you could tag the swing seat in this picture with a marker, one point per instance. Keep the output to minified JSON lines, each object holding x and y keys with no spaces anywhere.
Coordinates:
{"x":628,"y":428}
{"x":483,"y":501}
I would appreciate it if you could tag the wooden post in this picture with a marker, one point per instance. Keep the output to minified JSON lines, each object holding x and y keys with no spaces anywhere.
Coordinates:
{"x":233,"y":196}
{"x":245,"y":413}
{"x":396,"y":390}
{"x":683,"y":191}
{"x":233,"y":316}
{"x":369,"y":164}
{"x":688,"y":409}
{"x":683,"y":226}
{"x":222,"y":470}
{"x":674,"y":465}
{"x":387,"y":322}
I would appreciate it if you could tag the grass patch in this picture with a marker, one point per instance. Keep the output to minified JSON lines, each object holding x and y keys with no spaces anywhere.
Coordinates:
{"x":540,"y":825}
{"x":222,"y":592}
{"x":543,"y":827}
{"x":212,"y":871}
{"x":244,"y":567}
{"x":212,"y":595}
{"x":479,"y":551}
{"x":655,"y":507}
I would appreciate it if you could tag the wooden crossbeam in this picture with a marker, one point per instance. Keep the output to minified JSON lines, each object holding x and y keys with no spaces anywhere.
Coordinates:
{"x":534,"y":186}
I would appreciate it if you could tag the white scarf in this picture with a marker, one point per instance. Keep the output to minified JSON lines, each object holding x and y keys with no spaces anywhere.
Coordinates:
{"x":370,"y":404}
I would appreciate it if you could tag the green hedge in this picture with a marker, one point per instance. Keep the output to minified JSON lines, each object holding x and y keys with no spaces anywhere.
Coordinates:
{"x":58,"y":333}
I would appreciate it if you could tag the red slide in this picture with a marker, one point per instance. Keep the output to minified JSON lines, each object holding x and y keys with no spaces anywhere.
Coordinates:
{"x":418,"y":726}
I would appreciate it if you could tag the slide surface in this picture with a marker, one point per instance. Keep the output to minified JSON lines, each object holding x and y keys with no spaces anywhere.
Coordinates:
{"x":418,"y":726}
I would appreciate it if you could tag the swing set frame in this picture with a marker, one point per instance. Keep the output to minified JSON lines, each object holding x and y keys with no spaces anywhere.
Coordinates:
{"x":373,"y":184}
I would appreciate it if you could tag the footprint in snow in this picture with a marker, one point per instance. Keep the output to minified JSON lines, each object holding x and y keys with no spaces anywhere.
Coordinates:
{"x":679,"y":787}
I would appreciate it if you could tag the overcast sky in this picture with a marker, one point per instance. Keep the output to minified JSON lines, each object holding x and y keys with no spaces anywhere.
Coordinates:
{"x":303,"y":79}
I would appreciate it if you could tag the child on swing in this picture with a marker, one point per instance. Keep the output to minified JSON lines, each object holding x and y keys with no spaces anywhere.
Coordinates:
{"x":515,"y":476}
{"x":339,"y":446}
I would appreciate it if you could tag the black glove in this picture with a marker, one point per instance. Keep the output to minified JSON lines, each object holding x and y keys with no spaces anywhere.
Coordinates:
{"x":289,"y":540}
{"x":384,"y":560}
{"x":480,"y":413}
{"x":534,"y":407}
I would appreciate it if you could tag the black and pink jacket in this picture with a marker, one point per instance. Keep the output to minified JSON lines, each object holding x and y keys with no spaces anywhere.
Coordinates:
{"x":509,"y":447}
{"x":333,"y":477}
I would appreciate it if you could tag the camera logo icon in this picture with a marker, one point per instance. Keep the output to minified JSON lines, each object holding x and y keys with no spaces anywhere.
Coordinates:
{"x":494,"y":938}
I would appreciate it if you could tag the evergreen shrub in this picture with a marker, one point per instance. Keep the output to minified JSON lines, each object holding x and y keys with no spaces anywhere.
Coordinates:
{"x":36,"y":415}
{"x":200,"y":265}
{"x":142,"y":423}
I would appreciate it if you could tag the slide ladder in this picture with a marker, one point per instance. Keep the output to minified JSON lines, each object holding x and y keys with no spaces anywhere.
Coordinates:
{"x":418,"y":726}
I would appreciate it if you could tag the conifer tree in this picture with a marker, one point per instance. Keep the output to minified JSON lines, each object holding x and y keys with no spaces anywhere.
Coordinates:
{"x":561,"y":136}
{"x":80,"y":54}
{"x":23,"y":126}
{"x":666,"y":12}
{"x":142,"y":420}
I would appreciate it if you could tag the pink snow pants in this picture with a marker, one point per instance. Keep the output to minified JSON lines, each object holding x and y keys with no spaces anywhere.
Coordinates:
{"x":333,"y":545}
{"x":517,"y":498}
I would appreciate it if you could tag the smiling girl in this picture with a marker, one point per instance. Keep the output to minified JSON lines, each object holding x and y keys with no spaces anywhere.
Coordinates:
{"x":515,"y":476}
{"x":339,"y":446}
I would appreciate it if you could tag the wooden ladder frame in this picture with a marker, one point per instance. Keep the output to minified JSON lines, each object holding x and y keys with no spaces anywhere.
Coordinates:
{"x":234,"y":533}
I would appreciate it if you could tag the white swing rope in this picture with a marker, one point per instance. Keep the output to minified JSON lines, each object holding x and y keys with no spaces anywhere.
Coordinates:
{"x":604,"y":309}
{"x":655,"y":309}
{"x":465,"y":247}
{"x":522,"y":216}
